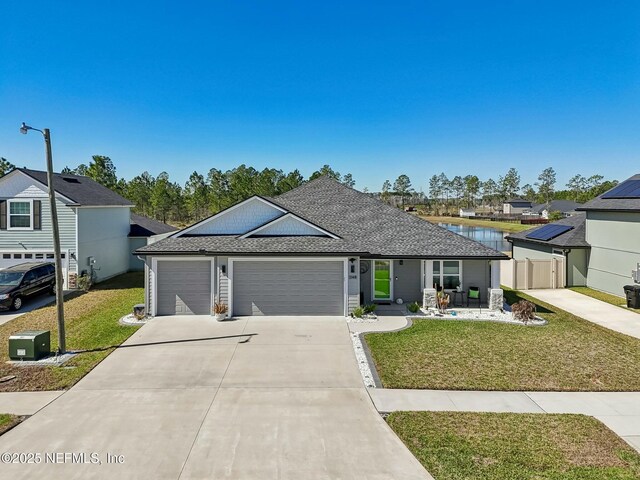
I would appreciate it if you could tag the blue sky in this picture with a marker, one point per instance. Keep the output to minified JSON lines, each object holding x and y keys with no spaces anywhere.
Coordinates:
{"x":375,"y":89}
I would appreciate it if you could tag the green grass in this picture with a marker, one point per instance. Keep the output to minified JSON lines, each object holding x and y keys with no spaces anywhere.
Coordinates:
{"x":505,"y":226}
{"x":7,"y":422}
{"x":569,"y":354}
{"x":91,"y":321}
{"x":515,"y":446}
{"x":605,"y":297}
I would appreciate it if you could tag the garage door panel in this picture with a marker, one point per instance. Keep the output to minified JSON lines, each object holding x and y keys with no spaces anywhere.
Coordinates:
{"x":288,"y":288}
{"x":184,"y":287}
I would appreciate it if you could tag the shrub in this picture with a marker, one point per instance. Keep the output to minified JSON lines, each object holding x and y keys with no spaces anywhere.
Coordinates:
{"x":413,"y":307}
{"x":84,"y":282}
{"x":370,"y":308}
{"x":220,"y":308}
{"x":358,"y":312}
{"x":524,"y":310}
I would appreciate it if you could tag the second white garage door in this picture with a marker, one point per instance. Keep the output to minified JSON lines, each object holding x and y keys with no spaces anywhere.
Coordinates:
{"x":288,"y":288}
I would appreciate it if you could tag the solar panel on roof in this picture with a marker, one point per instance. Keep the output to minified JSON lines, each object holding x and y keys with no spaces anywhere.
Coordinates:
{"x":627,"y":189}
{"x":548,"y":232}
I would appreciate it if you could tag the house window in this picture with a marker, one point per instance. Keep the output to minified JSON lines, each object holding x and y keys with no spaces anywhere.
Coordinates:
{"x":17,"y":256}
{"x":447,"y":274}
{"x":39,"y":255}
{"x":6,"y":255}
{"x":19,"y":214}
{"x":28,"y":255}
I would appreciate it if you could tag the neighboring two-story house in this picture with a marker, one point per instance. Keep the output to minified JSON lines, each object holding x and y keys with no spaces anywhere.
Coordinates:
{"x":516,"y":206}
{"x":599,"y":244}
{"x":97,"y":231}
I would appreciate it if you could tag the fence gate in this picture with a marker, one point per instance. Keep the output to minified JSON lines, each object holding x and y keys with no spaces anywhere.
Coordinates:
{"x":531,"y":274}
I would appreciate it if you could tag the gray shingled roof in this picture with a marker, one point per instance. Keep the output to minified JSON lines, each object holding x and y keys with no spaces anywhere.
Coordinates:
{"x":574,"y":238}
{"x":79,"y":189}
{"x":614,"y":204}
{"x":366,"y":226}
{"x":564,"y":206}
{"x":142,"y":226}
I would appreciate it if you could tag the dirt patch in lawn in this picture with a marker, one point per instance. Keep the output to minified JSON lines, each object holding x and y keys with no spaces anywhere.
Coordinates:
{"x":91,"y":321}
{"x":456,"y":445}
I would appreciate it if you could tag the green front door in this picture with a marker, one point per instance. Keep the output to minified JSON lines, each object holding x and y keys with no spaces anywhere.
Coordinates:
{"x":382,"y":280}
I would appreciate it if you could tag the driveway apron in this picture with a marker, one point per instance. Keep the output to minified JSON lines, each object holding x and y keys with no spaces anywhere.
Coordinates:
{"x":190,"y":398}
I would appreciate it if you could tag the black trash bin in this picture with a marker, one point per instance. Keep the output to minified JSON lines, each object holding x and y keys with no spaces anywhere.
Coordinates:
{"x":632,"y":292}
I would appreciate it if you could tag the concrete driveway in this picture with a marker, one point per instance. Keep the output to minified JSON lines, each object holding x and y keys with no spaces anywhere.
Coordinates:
{"x":188,"y":397}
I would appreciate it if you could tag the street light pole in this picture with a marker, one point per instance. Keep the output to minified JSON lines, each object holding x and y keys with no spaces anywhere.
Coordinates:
{"x":62,"y":347}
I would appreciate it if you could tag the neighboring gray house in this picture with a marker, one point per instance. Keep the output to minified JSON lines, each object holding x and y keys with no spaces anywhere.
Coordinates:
{"x":144,"y":230}
{"x":602,"y":245}
{"x":566,"y":207}
{"x":516,"y":206}
{"x":95,"y":224}
{"x":569,"y":244}
{"x":613,"y":231}
{"x":320,"y":249}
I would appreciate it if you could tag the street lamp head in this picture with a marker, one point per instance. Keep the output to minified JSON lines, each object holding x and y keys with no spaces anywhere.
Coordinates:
{"x":24,"y":128}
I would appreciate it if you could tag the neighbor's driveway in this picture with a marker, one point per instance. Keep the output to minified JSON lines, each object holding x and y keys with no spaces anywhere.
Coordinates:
{"x":187,"y":397}
{"x":596,"y":311}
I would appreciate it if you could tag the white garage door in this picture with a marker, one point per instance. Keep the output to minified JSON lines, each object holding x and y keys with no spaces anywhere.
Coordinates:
{"x":184,"y":287}
{"x":288,"y":288}
{"x":9,"y":259}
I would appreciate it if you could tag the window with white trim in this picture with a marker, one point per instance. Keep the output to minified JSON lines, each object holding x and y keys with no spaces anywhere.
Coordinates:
{"x":447,"y":273}
{"x":20,"y":212}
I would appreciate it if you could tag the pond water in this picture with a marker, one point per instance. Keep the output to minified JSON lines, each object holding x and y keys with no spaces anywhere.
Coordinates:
{"x":491,"y":237}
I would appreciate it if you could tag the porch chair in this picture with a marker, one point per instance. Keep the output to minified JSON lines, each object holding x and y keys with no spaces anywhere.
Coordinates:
{"x":474,"y":294}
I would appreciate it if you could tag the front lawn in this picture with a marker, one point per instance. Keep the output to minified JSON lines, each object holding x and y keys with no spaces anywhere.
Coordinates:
{"x":605,"y":297}
{"x":569,"y":354}
{"x":7,"y":422}
{"x":510,"y":446}
{"x":91,"y":321}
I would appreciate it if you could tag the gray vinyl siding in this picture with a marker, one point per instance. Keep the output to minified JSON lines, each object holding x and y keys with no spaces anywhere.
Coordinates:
{"x":135,"y":264}
{"x":288,"y":288}
{"x":223,"y":280}
{"x":577,"y":267}
{"x":615,"y":249}
{"x":103,"y":235}
{"x":476,"y":273}
{"x":184,"y":287}
{"x":522,"y":251}
{"x":406,"y":284}
{"x":43,"y":239}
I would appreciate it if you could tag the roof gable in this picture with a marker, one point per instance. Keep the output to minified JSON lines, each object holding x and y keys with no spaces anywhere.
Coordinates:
{"x":239,"y":219}
{"x":17,"y":184}
{"x":288,"y":225}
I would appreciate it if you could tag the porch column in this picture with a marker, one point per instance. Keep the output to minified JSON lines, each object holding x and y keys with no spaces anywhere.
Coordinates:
{"x":495,"y":273}
{"x":496,"y":299}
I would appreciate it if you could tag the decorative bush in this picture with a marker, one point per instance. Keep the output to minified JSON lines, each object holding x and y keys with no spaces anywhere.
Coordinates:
{"x":358,"y":312}
{"x":370,"y":308}
{"x":524,"y":310}
{"x":413,"y":307}
{"x":220,"y":308}
{"x":84,"y":282}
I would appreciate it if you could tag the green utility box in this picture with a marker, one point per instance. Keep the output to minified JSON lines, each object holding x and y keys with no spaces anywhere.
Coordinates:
{"x":30,"y":345}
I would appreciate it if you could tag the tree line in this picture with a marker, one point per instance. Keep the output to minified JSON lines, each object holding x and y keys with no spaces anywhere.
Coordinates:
{"x":471,"y":192}
{"x":205,"y":194}
{"x":202,"y":194}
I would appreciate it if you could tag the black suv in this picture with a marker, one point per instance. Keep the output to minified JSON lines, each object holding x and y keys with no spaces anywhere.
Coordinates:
{"x":24,"y":280}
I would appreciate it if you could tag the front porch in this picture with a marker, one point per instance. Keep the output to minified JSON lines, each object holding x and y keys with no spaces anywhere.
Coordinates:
{"x":386,"y":281}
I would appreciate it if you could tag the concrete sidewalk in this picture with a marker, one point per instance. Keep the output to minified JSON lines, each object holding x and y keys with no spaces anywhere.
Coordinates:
{"x":620,"y":411}
{"x":596,"y":311}
{"x":26,"y":403}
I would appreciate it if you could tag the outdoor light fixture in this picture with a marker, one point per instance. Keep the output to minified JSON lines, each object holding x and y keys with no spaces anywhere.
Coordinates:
{"x":353,"y":266}
{"x":223,"y":268}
